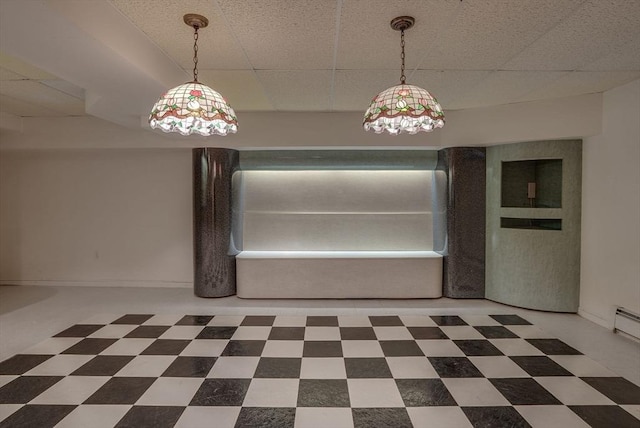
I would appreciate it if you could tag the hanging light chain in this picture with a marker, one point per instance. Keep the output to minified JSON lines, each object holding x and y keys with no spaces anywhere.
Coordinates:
{"x":195,"y":53}
{"x":403,"y":78}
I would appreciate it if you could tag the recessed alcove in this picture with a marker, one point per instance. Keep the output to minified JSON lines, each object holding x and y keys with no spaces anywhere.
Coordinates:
{"x":533,"y":183}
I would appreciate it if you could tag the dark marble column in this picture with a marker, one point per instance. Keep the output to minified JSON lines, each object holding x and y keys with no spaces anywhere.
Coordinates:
{"x":464,"y":261}
{"x":214,"y":262}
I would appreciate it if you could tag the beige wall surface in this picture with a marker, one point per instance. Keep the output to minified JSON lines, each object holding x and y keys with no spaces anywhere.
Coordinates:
{"x":611,"y":210}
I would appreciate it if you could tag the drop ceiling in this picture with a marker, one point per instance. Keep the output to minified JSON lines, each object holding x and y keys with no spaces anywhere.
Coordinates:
{"x":113,"y":58}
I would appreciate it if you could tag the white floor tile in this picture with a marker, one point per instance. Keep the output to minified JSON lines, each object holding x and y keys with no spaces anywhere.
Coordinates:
{"x":581,"y":365}
{"x":113,"y":331}
{"x":71,"y":390}
{"x":461,"y":332}
{"x":573,"y":391}
{"x":146,"y":366}
{"x":128,"y":347}
{"x":7,"y":410}
{"x":374,"y":393}
{"x":411,"y":368}
{"x":59,"y":365}
{"x":475,"y":392}
{"x":417,"y":321}
{"x":290,"y":321}
{"x":439,"y":348}
{"x":392,"y":333}
{"x":103,"y":318}
{"x":322,"y":333}
{"x":318,"y":417}
{"x":440,"y":417}
{"x":283,"y":348}
{"x":361,"y":348}
{"x":226,"y":320}
{"x":182,"y":332}
{"x":498,"y":367}
{"x":551,"y":417}
{"x":206,"y":417}
{"x":170,"y":391}
{"x":234,"y":367}
{"x":5,"y":379}
{"x":633,"y":409}
{"x":205,"y":347}
{"x":54,"y":345}
{"x":515,"y":347}
{"x":163,"y":319}
{"x":529,"y":332}
{"x":272,"y":393}
{"x":479,"y":320}
{"x":323,"y":368}
{"x":94,"y":416}
{"x":251,"y":333}
{"x":353,"y":321}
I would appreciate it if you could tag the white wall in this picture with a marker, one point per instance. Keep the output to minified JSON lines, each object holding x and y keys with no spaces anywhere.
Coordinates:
{"x":96,"y":217}
{"x":610,"y":265}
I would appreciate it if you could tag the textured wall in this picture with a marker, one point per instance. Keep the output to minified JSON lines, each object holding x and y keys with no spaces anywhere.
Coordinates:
{"x":213,"y":249}
{"x":534,"y":268}
{"x":464,"y":262}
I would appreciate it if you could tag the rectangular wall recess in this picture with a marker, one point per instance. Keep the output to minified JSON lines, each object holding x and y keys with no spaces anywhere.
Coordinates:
{"x":531,"y":223}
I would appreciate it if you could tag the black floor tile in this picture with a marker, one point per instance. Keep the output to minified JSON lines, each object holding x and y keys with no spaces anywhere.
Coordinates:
{"x":386,"y":321}
{"x":606,"y":416}
{"x":40,"y":416}
{"x":79,"y":330}
{"x":121,"y":390}
{"x":524,"y":391}
{"x":323,"y":393}
{"x":278,"y":368}
{"x":90,"y":346}
{"x":495,"y":332}
{"x":454,"y":367}
{"x":25,"y":388}
{"x":477,"y":348}
{"x":322,"y":348}
{"x":553,"y":347}
{"x":400,"y":348}
{"x":166,"y":347}
{"x":195,"y":320}
{"x":286,"y":333}
{"x":367,"y":368}
{"x":132,"y":319}
{"x":540,"y":365}
{"x":151,"y":416}
{"x":421,"y":333}
{"x":448,"y":320}
{"x":21,"y":363}
{"x":190,"y":367}
{"x":244,"y":348}
{"x":379,"y":417}
{"x":357,"y":333}
{"x":322,"y":321}
{"x":217,"y":333}
{"x":103,"y":365}
{"x":221,"y":392}
{"x":495,"y":417}
{"x":424,"y":392}
{"x":253,"y":320}
{"x":147,"y":332}
{"x":266,"y":417}
{"x":510,"y":320}
{"x":617,"y":389}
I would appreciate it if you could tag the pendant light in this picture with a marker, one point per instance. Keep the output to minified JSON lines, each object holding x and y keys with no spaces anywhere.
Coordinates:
{"x":403,"y":108}
{"x":193,"y":107}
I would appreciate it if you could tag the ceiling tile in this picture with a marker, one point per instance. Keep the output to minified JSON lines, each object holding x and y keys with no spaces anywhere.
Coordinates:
{"x":448,"y":86}
{"x":161,"y":21}
{"x":303,"y":90}
{"x":622,"y":58}
{"x":240,"y":87}
{"x":503,"y":87}
{"x":25,"y":109}
{"x":583,"y":38}
{"x":354,"y":89}
{"x":39,"y":94}
{"x":581,"y":82}
{"x":366,"y":39}
{"x":284,"y":34}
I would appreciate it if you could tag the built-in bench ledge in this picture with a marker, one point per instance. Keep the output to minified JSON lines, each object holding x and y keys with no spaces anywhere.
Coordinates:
{"x":339,"y":274}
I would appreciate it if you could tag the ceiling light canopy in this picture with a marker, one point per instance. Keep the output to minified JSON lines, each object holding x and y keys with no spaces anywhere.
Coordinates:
{"x":193,"y":107}
{"x":403,"y":108}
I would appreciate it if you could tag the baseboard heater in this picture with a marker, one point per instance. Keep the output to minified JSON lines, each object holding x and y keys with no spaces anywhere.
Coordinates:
{"x":627,"y":322}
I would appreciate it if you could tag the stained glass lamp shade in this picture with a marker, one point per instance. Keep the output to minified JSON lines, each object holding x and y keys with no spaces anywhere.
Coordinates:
{"x":403,"y":108}
{"x":194,"y":108}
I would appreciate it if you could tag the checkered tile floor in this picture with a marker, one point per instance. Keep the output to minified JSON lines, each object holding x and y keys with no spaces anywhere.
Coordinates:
{"x":310,"y":371}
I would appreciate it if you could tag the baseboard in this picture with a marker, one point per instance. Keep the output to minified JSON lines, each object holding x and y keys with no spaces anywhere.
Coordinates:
{"x":99,"y":283}
{"x":608,"y":324}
